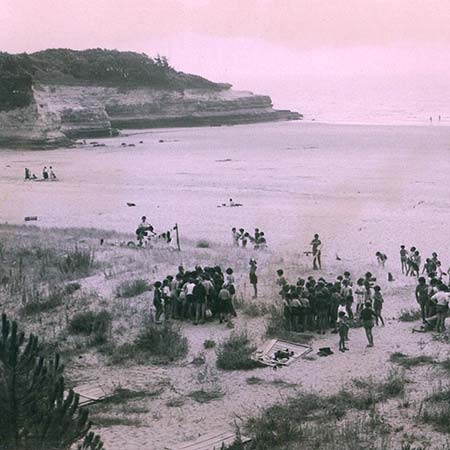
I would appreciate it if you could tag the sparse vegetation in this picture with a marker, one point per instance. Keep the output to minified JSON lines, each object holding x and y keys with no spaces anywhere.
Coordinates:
{"x":436,"y":409}
{"x":203,"y":243}
{"x":159,"y":343}
{"x":94,"y":324}
{"x":77,"y":262}
{"x":410,"y":361}
{"x":235,"y":353}
{"x":209,"y":344}
{"x":40,"y":305}
{"x":70,"y":288}
{"x":133,"y":288}
{"x":205,"y":396}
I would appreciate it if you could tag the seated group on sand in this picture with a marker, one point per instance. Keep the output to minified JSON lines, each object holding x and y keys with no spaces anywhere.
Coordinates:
{"x":198,"y":295}
{"x":321,"y":305}
{"x":241,"y":238}
{"x":47,"y":175}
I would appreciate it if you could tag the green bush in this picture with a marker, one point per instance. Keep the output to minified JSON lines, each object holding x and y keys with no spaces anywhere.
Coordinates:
{"x":129,"y":289}
{"x":92,"y":324}
{"x":160,"y":343}
{"x":235,"y":353}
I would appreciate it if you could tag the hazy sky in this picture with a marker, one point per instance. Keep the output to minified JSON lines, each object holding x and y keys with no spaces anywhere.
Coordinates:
{"x":246,"y":42}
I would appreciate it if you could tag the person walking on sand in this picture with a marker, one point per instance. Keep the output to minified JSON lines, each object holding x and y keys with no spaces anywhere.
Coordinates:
{"x":316,"y":252}
{"x":343,"y":331}
{"x":45,"y":173}
{"x":367,"y":315}
{"x":253,"y":276}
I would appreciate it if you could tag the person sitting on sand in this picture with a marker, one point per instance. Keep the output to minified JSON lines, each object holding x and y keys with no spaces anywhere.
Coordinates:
{"x":381,"y":258}
{"x":316,"y":252}
{"x":52,"y":174}
{"x":253,"y":277}
{"x":367,"y":315}
{"x":343,"y":329}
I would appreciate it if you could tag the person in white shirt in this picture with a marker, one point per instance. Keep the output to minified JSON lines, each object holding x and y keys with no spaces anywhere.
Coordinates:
{"x":440,"y":299}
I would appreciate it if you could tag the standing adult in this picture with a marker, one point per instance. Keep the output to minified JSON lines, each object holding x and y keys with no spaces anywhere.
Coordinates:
{"x":253,"y":276}
{"x":45,"y":173}
{"x":316,"y":252}
{"x":367,"y":316}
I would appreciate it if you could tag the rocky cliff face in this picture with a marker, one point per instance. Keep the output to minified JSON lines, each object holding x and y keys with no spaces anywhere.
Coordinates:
{"x":60,"y":113}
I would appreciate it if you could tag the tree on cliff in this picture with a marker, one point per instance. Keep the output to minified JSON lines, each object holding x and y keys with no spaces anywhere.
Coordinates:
{"x":35,"y":411}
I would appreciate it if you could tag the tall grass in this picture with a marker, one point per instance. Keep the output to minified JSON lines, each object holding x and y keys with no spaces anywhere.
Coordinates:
{"x":132,"y":288}
{"x":95,"y":325}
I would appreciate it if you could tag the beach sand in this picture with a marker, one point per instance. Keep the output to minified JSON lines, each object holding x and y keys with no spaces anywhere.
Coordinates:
{"x":362,"y":188}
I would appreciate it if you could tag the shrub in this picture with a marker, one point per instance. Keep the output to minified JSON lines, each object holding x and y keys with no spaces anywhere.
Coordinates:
{"x":410,"y":315}
{"x":209,"y":344}
{"x":70,"y":288}
{"x":202,"y":396}
{"x":91,"y":323}
{"x":77,"y":262}
{"x":235,"y":353}
{"x":129,"y":289}
{"x":162,"y":343}
{"x":38,"y":305}
{"x":203,"y":243}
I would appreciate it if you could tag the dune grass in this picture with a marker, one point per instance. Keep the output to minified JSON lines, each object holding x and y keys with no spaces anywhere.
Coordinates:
{"x":411,"y":361}
{"x":235,"y":353}
{"x":128,"y":289}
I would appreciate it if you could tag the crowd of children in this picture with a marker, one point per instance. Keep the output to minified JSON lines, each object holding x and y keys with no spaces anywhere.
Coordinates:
{"x":242,"y":238}
{"x":197,"y":295}
{"x":321,"y":305}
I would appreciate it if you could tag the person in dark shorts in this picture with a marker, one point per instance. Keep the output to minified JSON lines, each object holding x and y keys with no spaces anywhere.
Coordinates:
{"x":378,"y":304}
{"x":367,"y":315}
{"x":253,"y":277}
{"x":422,"y":297}
{"x":157,"y":301}
{"x":343,"y":331}
{"x":404,"y":258}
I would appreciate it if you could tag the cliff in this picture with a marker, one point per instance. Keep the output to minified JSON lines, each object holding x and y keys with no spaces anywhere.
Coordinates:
{"x":52,"y":97}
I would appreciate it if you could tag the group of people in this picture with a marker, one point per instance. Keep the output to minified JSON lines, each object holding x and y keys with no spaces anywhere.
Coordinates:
{"x":411,"y":262}
{"x":196,"y":295}
{"x":145,"y":233}
{"x":242,"y":238}
{"x":321,"y":305}
{"x":47,"y":174}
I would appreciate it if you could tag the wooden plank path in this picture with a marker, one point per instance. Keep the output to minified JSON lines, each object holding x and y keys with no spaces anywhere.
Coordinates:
{"x":210,"y":441}
{"x":91,"y":393}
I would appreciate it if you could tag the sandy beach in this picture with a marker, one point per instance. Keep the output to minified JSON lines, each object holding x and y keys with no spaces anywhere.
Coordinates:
{"x":363,"y":188}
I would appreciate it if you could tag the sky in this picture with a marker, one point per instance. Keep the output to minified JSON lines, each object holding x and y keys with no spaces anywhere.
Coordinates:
{"x":252,"y":44}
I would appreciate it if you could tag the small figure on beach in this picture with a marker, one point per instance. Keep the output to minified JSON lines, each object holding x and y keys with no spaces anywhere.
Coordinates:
{"x":343,"y":328}
{"x":253,"y":277}
{"x":316,"y":252}
{"x":381,"y":258}
{"x":378,"y":304}
{"x":52,"y":174}
{"x":235,"y":237}
{"x":404,"y":258}
{"x":367,"y":315}
{"x":45,"y":173}
{"x":27,"y":174}
{"x":143,"y":230}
